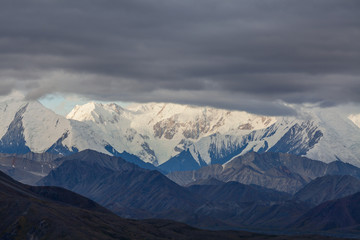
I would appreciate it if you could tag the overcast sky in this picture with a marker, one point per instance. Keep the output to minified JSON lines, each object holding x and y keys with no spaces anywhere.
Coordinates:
{"x":249,"y":55}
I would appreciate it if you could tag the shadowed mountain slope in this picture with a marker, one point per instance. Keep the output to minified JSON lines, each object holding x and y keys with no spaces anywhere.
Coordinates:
{"x":279,"y":171}
{"x":328,"y":188}
{"x":55,"y":213}
{"x":131,"y":191}
{"x":27,"y":168}
{"x":337,"y":215}
{"x":134,"y":192}
{"x":125,"y":188}
{"x":237,"y":192}
{"x":209,"y":181}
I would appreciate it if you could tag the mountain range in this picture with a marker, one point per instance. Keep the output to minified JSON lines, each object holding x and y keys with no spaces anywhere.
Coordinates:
{"x":280,"y":171}
{"x":134,"y":192}
{"x":206,"y":167}
{"x":55,"y":213}
{"x":176,"y":137}
{"x":121,"y":186}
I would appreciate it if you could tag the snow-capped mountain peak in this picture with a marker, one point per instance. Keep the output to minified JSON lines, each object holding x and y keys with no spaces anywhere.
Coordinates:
{"x":216,"y":135}
{"x":96,"y":112}
{"x":175,"y":136}
{"x":166,"y":128}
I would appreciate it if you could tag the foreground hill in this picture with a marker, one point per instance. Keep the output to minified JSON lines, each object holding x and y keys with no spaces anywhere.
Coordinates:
{"x":279,"y":171}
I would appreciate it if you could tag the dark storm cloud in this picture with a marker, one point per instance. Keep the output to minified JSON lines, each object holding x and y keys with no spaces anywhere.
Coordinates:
{"x":251,"y":55}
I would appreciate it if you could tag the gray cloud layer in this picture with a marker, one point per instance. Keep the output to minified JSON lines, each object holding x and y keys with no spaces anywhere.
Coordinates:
{"x":252,"y":55}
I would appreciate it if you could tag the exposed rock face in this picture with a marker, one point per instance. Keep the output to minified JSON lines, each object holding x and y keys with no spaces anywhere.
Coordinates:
{"x":246,"y":126}
{"x":166,"y":128}
{"x":198,"y":127}
{"x":294,"y":143}
{"x":60,"y":148}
